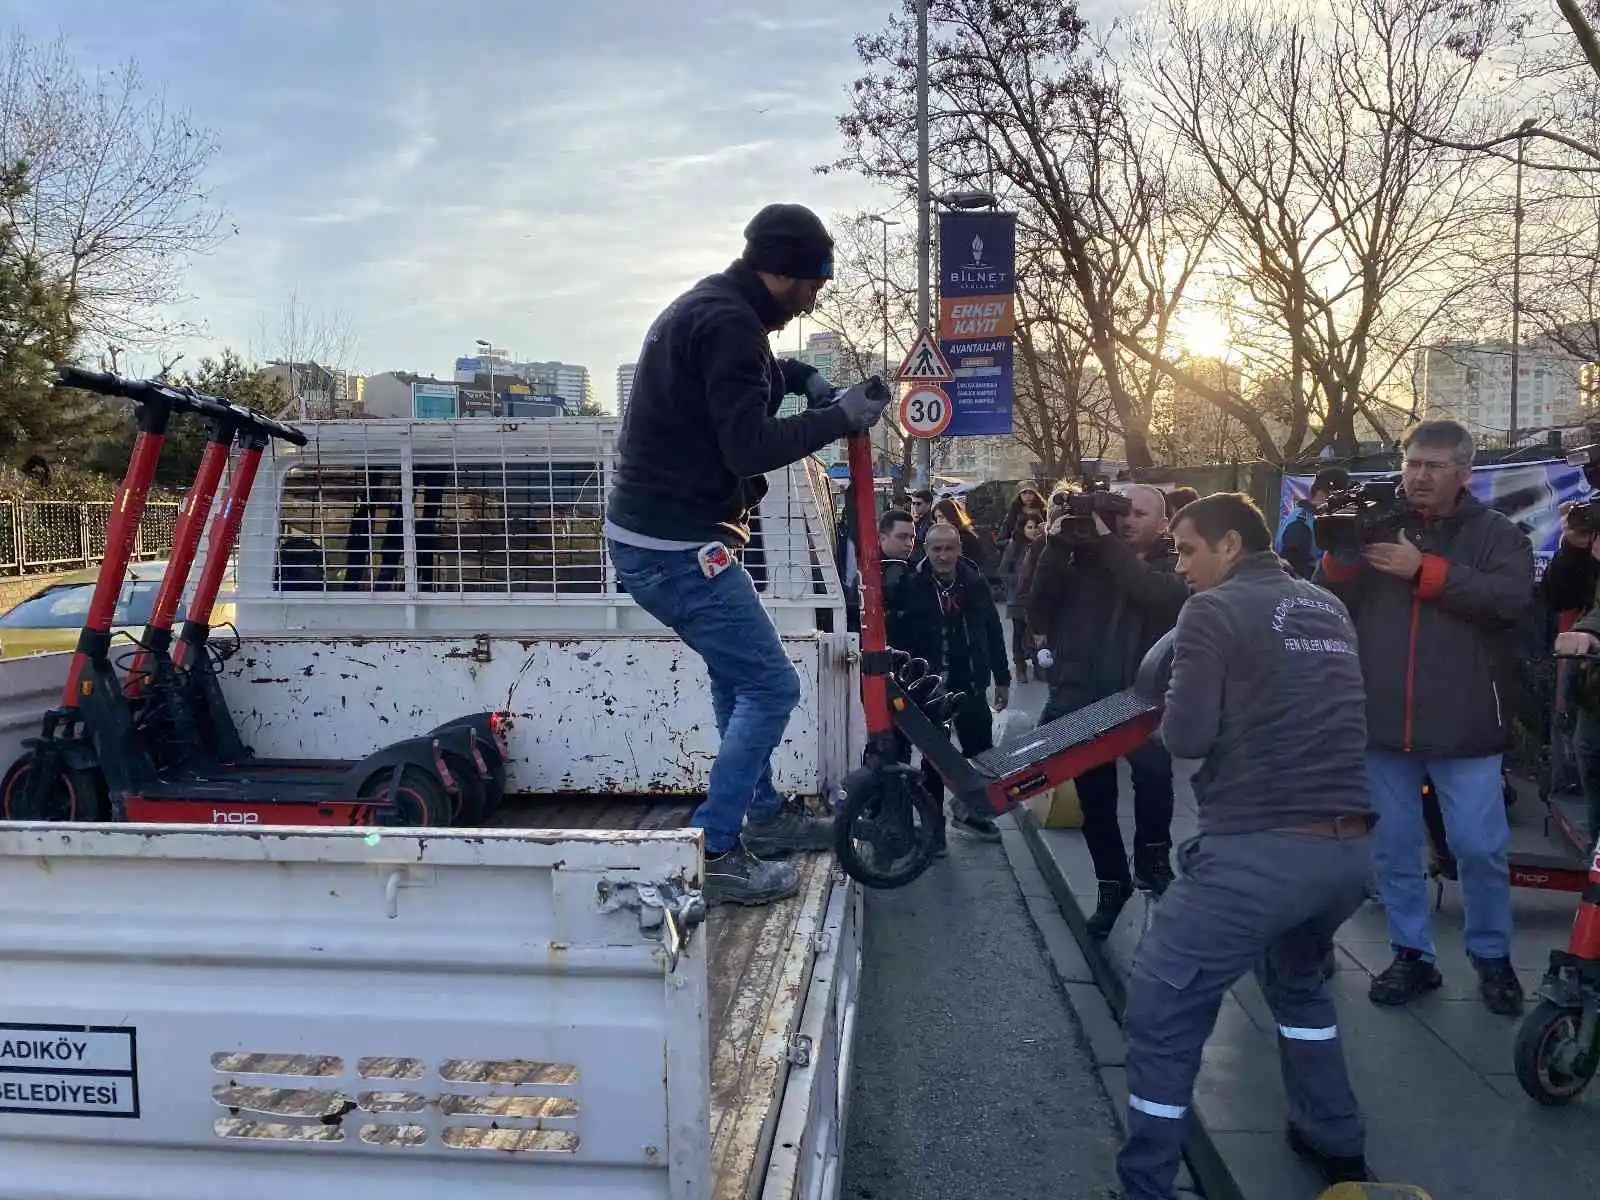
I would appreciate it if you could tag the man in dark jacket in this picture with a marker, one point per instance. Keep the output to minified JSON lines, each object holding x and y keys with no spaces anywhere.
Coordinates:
{"x":1100,"y":605}
{"x":700,"y":433}
{"x":943,"y":611}
{"x":1437,"y":610}
{"x":1569,"y":585}
{"x":1283,"y":855}
{"x":1297,"y":544}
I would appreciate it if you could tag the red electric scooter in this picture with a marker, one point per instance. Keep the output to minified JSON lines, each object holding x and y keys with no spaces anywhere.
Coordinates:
{"x":886,"y":825}
{"x":1558,"y":1042}
{"x":186,"y":716}
{"x":93,"y":747}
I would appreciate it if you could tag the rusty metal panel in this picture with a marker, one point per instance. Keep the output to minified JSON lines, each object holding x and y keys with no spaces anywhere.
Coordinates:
{"x":625,"y":713}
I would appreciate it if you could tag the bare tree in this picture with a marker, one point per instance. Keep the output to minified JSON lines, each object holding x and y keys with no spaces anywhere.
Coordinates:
{"x":311,"y":353}
{"x":1348,"y":238}
{"x":117,"y":207}
{"x":1023,"y":102}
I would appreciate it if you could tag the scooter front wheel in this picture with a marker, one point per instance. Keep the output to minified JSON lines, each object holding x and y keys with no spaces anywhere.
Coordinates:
{"x":72,"y":794}
{"x":1553,"y":1067}
{"x":886,"y":829}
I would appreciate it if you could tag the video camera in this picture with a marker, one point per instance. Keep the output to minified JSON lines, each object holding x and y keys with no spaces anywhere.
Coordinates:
{"x":1363,"y":515}
{"x":1077,"y":511}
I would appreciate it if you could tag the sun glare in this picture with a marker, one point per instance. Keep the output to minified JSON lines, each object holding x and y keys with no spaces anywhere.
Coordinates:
{"x":1204,"y":335}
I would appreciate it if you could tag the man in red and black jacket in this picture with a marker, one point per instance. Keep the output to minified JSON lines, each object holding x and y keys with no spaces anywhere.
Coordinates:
{"x":1437,"y":611}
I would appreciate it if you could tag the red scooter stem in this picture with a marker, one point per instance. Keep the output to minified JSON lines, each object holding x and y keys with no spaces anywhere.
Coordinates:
{"x":869,"y":563}
{"x":192,"y":514}
{"x":127,"y":510}
{"x":224,"y":534}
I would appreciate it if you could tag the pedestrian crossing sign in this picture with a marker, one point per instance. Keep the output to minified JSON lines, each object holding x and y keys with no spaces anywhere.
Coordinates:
{"x":925,"y":363}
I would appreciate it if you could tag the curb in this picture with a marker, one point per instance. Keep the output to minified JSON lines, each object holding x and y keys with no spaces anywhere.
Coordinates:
{"x":1205,"y":1161}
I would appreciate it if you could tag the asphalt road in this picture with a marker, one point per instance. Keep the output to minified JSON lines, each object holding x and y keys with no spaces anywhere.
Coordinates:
{"x":972,"y":1078}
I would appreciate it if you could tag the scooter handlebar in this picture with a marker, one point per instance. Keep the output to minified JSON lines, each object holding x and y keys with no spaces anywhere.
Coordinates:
{"x":185,"y":399}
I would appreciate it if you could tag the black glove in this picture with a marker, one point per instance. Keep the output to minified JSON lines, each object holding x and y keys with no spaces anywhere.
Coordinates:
{"x":861,"y":407}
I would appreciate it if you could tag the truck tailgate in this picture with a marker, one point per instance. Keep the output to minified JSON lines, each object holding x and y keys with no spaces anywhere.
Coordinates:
{"x":192,"y":1013}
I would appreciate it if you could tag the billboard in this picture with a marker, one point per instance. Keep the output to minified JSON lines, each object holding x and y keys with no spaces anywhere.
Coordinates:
{"x":433,"y":401}
{"x":977,"y":318}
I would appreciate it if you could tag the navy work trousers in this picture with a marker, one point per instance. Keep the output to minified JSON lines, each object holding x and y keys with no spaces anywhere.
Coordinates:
{"x":1268,"y":902}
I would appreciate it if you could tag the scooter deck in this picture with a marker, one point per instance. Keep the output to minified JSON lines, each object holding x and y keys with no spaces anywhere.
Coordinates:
{"x":1374,"y":1191}
{"x":1063,"y":734}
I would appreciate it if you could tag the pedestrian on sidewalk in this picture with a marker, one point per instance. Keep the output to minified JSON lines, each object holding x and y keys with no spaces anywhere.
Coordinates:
{"x":1101,"y":601}
{"x":1016,"y":571}
{"x":1571,"y":583}
{"x":1282,"y":857}
{"x":1438,"y":610}
{"x":945,"y":614}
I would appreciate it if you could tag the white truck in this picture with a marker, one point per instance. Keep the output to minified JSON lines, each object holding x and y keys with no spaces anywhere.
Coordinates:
{"x":543,"y":1008}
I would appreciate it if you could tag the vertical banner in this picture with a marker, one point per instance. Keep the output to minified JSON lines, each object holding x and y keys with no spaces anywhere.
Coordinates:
{"x":977,"y":317}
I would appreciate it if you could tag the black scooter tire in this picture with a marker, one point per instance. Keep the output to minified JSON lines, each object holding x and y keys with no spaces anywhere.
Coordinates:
{"x":864,"y":791}
{"x":468,"y":802}
{"x":1537,"y":1038}
{"x":420,"y":800}
{"x":77,"y":795}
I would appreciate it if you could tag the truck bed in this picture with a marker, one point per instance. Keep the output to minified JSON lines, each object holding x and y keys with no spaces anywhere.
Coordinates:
{"x":757,"y":967}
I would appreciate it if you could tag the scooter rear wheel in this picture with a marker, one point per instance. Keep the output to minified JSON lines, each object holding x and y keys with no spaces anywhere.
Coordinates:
{"x":886,"y":828}
{"x":419,"y":800}
{"x":74,"y":795}
{"x":467,"y":804}
{"x":1551,"y":1067}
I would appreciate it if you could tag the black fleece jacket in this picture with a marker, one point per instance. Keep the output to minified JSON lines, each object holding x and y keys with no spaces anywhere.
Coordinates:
{"x":701,"y":428}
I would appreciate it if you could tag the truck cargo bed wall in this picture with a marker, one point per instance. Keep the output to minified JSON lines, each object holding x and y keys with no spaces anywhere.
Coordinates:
{"x":192,"y":1014}
{"x":605,"y":713}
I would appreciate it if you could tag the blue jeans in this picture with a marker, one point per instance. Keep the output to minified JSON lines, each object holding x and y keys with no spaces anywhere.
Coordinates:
{"x":1473,"y":805}
{"x":754,"y":686}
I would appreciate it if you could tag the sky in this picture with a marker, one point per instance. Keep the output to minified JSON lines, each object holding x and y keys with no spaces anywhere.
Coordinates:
{"x":543,"y":175}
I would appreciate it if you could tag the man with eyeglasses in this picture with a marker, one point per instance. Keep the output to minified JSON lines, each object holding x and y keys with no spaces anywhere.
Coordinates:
{"x":1436,"y":612}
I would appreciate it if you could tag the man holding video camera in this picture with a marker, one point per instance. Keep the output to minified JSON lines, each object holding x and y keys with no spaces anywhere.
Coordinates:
{"x":1436,"y":606}
{"x":1104,"y":590}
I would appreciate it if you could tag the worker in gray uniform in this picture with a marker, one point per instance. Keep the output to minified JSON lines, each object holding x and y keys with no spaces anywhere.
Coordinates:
{"x":1283,"y":854}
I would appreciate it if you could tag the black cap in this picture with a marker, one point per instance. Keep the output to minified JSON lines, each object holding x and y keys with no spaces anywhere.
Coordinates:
{"x":788,"y":240}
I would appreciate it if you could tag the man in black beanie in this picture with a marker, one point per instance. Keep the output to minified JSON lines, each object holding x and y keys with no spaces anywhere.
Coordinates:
{"x":700,"y":434}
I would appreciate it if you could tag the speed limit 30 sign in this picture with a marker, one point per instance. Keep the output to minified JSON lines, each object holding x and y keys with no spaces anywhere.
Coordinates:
{"x":925,"y":411}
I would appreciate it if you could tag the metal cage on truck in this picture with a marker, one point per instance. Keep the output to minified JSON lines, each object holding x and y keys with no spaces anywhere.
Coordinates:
{"x":389,"y":569}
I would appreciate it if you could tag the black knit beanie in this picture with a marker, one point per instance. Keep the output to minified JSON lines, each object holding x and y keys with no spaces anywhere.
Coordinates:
{"x":788,"y":240}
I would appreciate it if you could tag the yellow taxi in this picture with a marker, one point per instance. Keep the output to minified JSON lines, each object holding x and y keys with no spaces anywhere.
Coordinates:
{"x":52,"y":617}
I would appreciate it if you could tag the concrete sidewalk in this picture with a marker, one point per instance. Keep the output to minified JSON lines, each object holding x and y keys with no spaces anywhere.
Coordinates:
{"x":1436,"y":1079}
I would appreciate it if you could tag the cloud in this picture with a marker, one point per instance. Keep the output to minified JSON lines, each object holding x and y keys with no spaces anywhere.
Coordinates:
{"x":545,"y":176}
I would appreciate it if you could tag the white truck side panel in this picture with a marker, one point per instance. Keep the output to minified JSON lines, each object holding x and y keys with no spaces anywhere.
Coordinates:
{"x":193,"y":1013}
{"x":808,"y":1144}
{"x":619,"y":713}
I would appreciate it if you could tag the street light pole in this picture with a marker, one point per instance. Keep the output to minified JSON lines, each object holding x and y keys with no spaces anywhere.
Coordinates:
{"x":885,"y":222}
{"x":924,"y":475}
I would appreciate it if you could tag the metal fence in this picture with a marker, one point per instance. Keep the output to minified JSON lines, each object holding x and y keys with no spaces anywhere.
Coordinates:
{"x":43,"y":536}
